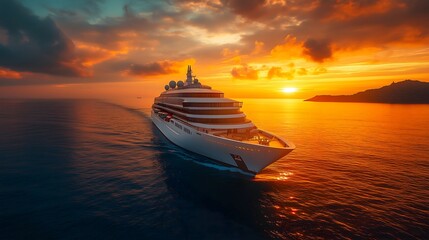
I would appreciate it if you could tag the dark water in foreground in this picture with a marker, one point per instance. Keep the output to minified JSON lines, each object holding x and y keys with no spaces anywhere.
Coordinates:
{"x":82,"y":169}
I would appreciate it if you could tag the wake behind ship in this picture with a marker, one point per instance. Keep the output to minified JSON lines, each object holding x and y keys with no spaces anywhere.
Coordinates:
{"x":201,"y":120}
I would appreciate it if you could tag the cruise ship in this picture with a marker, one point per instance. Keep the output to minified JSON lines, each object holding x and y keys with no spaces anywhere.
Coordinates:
{"x":199,"y":119}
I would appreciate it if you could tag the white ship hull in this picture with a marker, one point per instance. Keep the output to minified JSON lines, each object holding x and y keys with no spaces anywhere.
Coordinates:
{"x":250,"y":158}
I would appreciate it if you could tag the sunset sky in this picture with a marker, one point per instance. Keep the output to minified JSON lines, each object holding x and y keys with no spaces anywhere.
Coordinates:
{"x":247,"y":48}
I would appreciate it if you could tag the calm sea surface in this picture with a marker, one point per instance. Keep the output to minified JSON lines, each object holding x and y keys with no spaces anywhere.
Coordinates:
{"x":87,"y":169}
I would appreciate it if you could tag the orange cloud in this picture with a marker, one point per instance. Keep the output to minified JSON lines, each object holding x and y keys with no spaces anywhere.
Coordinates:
{"x":91,"y":54}
{"x":291,"y":48}
{"x":259,"y":47}
{"x":319,"y":70}
{"x":6,"y":73}
{"x":352,"y":9}
{"x":245,"y":72}
{"x":278,"y":72}
{"x":302,"y":72}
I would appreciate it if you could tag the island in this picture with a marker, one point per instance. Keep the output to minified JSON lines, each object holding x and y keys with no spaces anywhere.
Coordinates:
{"x":407,"y":92}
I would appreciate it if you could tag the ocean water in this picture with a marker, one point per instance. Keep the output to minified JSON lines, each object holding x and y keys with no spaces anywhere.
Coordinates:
{"x":89,"y":169}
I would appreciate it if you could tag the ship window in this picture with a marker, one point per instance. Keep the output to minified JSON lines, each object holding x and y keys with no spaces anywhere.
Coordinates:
{"x":212,"y":104}
{"x":178,"y":125}
{"x":195,"y":95}
{"x":218,"y":120}
{"x":187,"y":131}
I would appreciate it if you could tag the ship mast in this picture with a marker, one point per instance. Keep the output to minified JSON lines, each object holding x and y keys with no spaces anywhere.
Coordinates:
{"x":189,"y":75}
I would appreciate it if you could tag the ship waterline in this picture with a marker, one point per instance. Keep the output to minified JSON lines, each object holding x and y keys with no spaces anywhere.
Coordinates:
{"x":201,"y":120}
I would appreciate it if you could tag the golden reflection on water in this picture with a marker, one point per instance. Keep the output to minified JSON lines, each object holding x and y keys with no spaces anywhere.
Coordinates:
{"x":267,"y":177}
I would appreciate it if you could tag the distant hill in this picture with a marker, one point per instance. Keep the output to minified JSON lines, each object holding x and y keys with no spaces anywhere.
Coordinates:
{"x":407,"y":91}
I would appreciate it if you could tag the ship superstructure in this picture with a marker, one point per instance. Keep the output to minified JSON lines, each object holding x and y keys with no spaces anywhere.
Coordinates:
{"x":199,"y":119}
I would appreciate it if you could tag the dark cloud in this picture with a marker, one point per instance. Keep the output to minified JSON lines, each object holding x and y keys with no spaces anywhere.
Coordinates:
{"x":91,"y":9}
{"x":152,"y":69}
{"x":214,"y":22}
{"x":245,"y":72}
{"x":317,"y":50}
{"x":249,"y":8}
{"x":131,"y":31}
{"x":34,"y":44}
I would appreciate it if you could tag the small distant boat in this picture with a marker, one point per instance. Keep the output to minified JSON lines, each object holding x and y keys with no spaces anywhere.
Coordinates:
{"x":201,"y":120}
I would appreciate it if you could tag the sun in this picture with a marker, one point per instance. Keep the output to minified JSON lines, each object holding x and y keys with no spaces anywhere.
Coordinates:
{"x":289,"y":89}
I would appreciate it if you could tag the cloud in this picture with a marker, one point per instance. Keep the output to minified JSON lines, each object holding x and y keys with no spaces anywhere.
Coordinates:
{"x":6,"y":73}
{"x":153,"y":69}
{"x":249,"y":8}
{"x":349,"y":25}
{"x":290,"y":48}
{"x":278,"y":72}
{"x":259,"y":48}
{"x":90,"y":55}
{"x":113,"y":34}
{"x":319,"y":70}
{"x":356,"y":24}
{"x":245,"y":72}
{"x":33,"y":44}
{"x":302,"y":72}
{"x":317,"y":50}
{"x":90,"y":36}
